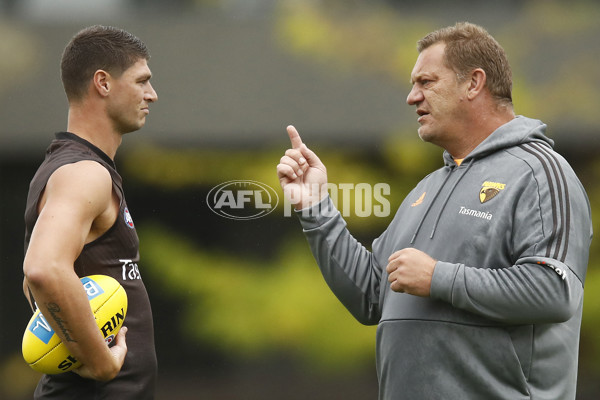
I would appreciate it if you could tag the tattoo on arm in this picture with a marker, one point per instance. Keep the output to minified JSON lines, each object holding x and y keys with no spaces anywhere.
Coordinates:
{"x":54,"y":309}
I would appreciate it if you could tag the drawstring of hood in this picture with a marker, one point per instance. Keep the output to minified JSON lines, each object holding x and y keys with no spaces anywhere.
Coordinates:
{"x":412,"y":240}
{"x":431,"y":204}
{"x":448,"y":197}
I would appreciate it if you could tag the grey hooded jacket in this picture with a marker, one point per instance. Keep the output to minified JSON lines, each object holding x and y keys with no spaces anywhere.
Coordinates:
{"x":511,"y":229}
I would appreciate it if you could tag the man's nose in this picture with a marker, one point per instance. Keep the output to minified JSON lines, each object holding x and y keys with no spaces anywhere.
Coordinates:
{"x":414,"y":96}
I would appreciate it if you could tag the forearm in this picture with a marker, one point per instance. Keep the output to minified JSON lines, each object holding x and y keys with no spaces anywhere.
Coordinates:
{"x":61,"y":298}
{"x":523,"y":293}
{"x":348,"y":267}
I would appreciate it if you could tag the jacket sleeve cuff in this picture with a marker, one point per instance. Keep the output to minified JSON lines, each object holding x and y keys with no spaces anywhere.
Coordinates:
{"x":442,"y":281}
{"x":317,"y":215}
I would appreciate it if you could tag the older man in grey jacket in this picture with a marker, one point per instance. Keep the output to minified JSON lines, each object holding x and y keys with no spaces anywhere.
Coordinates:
{"x":477,"y":284}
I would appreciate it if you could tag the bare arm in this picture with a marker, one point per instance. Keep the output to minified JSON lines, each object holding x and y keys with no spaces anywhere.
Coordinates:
{"x":76,"y":206}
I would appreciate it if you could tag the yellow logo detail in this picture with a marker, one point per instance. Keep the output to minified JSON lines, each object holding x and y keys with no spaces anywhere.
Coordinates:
{"x":489,"y":190}
{"x":419,"y":200}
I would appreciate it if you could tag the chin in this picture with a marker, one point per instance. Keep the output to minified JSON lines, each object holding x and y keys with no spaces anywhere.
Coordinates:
{"x":427,"y":134}
{"x":133,"y":128}
{"x":129,"y":130}
{"x":424,"y":135}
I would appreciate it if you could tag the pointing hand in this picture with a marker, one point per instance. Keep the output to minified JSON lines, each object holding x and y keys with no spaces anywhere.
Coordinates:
{"x":302,"y":175}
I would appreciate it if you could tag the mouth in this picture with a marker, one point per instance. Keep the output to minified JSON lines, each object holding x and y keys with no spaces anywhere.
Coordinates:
{"x":422,"y":114}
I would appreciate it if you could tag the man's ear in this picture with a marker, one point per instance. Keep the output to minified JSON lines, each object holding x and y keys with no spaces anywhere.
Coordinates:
{"x":101,"y":82}
{"x":476,"y":83}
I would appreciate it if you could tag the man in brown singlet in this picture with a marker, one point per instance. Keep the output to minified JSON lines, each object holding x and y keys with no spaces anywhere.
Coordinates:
{"x":78,"y":223}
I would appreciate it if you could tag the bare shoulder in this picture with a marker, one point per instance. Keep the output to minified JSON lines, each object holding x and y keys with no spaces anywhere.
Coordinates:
{"x":76,"y":207}
{"x":85,"y":182}
{"x":87,"y":173}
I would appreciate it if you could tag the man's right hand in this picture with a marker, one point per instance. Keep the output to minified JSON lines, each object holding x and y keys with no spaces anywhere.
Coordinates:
{"x":302,"y":175}
{"x":118,"y":351}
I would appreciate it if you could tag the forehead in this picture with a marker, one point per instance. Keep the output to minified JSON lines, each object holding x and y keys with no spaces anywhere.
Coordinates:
{"x":430,"y":62}
{"x":139,"y":69}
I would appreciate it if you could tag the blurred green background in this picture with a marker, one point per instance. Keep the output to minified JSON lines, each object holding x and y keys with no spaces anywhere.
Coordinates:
{"x":240,"y":308}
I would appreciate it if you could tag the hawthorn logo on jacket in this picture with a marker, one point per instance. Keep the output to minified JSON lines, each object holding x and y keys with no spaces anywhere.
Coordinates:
{"x":489,"y":190}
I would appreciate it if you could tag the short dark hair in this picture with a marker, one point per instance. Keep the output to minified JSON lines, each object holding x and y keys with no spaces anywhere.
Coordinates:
{"x":469,"y":46}
{"x":98,"y":47}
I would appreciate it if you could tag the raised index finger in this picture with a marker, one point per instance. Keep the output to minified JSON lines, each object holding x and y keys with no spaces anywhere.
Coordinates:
{"x":294,"y":137}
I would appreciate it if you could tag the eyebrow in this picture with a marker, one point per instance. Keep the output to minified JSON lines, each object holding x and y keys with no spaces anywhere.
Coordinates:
{"x":145,"y":76}
{"x":417,"y":77}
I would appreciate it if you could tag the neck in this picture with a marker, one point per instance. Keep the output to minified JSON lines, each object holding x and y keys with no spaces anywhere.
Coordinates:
{"x":92,"y":127}
{"x":478,"y":128}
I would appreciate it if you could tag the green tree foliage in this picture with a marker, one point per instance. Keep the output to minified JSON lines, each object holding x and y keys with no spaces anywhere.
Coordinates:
{"x":549,"y":43}
{"x":255,"y":308}
{"x":370,"y":39}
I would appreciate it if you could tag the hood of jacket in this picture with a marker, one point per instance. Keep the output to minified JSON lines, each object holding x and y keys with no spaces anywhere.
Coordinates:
{"x":518,"y":131}
{"x":515,"y":132}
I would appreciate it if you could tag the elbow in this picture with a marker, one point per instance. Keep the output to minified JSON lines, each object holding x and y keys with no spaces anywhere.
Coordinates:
{"x":35,"y":269}
{"x":562,"y":312}
{"x":34,"y":275}
{"x":39,"y":278}
{"x":41,"y":274}
{"x":564,"y":307}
